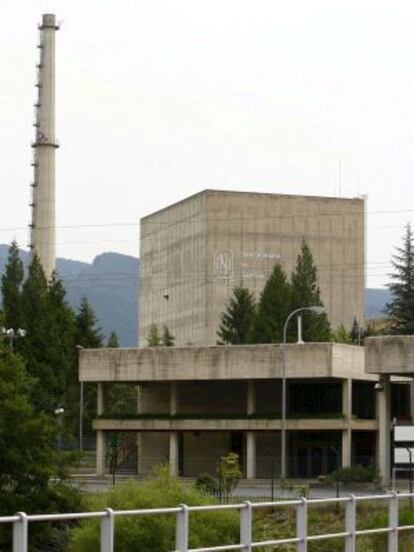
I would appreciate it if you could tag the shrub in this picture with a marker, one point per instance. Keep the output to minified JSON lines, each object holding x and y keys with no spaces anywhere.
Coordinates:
{"x":357,"y":474}
{"x":155,"y":533}
{"x":206,"y":483}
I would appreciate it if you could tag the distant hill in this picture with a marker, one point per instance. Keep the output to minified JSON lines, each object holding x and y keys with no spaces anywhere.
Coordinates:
{"x":110,"y":284}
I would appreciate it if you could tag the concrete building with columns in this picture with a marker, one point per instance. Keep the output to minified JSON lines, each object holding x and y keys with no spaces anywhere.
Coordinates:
{"x":195,"y":404}
{"x":194,"y":252}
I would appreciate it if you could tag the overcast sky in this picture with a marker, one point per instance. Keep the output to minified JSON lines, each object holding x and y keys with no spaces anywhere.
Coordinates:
{"x":159,"y":99}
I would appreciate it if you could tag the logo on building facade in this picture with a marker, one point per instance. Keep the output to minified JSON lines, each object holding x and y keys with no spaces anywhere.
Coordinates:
{"x":223,"y":265}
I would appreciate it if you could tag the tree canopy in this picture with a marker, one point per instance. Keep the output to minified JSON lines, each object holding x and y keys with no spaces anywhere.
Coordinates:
{"x":401,"y":306}
{"x":237,"y":320}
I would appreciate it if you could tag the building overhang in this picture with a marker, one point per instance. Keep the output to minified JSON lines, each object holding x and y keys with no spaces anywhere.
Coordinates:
{"x":390,"y":355}
{"x":235,"y":362}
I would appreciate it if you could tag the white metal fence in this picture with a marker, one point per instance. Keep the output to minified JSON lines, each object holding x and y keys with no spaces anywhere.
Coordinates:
{"x":22,"y":521}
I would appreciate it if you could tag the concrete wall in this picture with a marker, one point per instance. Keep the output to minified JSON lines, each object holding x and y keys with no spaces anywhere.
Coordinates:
{"x":154,"y":398}
{"x":311,"y":360}
{"x":390,"y":355}
{"x":153,"y":449}
{"x":224,"y":239}
{"x":172,"y":264}
{"x":202,"y":450}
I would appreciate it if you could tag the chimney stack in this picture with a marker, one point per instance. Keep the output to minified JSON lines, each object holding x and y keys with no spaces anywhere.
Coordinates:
{"x":42,"y":227}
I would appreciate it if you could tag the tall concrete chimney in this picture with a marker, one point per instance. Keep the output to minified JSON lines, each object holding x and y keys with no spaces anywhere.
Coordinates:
{"x":42,"y":227}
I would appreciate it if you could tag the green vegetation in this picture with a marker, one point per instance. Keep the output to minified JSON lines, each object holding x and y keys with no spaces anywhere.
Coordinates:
{"x":155,"y":339}
{"x":237,"y":320}
{"x":156,"y":533}
{"x":356,"y":474}
{"x":401,"y":306}
{"x":245,"y":322}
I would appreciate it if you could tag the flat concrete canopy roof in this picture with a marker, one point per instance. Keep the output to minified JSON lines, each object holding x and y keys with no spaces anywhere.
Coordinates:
{"x":391,"y":354}
{"x":234,"y":362}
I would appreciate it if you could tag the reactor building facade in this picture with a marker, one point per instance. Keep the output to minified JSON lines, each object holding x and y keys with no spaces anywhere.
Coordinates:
{"x":195,"y":252}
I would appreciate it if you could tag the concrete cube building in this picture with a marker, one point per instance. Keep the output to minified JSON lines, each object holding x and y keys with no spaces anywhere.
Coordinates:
{"x":193,"y":254}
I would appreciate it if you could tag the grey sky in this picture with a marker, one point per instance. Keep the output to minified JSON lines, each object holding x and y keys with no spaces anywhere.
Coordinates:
{"x":158,"y":99}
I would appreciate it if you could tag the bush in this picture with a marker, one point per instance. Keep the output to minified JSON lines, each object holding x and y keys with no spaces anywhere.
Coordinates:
{"x":357,"y":474}
{"x":206,"y":483}
{"x":155,"y":533}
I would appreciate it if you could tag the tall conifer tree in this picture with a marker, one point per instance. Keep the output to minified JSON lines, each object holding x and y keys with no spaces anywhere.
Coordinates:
{"x":306,"y":293}
{"x":11,"y":285}
{"x":237,"y":320}
{"x":273,"y":308}
{"x":401,"y":306}
{"x":88,"y":334}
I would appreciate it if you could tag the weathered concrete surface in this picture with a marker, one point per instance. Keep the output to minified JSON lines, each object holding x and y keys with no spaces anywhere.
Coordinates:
{"x":245,"y":424}
{"x":392,"y":355}
{"x":196,"y":251}
{"x":311,"y":360}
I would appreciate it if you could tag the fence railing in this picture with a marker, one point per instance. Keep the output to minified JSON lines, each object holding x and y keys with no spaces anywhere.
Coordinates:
{"x":21,"y":522}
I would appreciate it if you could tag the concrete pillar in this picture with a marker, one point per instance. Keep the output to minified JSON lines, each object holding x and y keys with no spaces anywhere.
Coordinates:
{"x":250,"y":455}
{"x":251,"y":398}
{"x":100,"y":453}
{"x":173,"y":398}
{"x":174,"y":453}
{"x":384,"y":437}
{"x":412,"y":401}
{"x":100,"y":435}
{"x":347,"y":431}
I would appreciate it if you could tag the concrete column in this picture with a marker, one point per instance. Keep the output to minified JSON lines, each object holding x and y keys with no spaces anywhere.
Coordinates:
{"x":100,"y":453}
{"x":100,"y":400}
{"x":174,"y":453}
{"x":347,"y":432}
{"x":250,"y":455}
{"x":384,"y":437}
{"x":100,"y":435}
{"x":251,"y":398}
{"x":412,"y":401}
{"x":173,"y":398}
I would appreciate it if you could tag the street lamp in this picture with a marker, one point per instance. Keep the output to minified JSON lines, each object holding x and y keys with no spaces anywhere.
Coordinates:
{"x":59,"y":413}
{"x":79,"y":348}
{"x":317,"y":309}
{"x":11,"y":335}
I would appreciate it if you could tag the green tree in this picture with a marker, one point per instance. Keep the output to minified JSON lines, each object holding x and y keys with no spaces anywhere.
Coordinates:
{"x":112,"y":341}
{"x":229,"y":472}
{"x":28,"y":457}
{"x":11,"y":285}
{"x":340,"y":335}
{"x":401,"y":306}
{"x":88,"y":334}
{"x":273,"y":308}
{"x":167,"y":339}
{"x":237,"y":320}
{"x":306,"y":293}
{"x":153,"y":338}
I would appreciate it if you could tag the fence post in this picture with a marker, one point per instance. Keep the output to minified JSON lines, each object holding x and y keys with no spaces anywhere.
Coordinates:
{"x":107,"y":531}
{"x":302,"y":525}
{"x":246,"y":526}
{"x":350,"y":524}
{"x":181,"y":530}
{"x":393,"y":523}
{"x":20,"y":533}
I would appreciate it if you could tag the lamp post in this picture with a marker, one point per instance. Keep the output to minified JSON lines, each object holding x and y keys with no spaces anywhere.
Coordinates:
{"x":59,"y":413}
{"x":317,"y":309}
{"x":11,"y":335}
{"x":79,"y":348}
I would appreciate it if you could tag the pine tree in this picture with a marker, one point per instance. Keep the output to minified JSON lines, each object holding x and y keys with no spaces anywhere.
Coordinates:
{"x":401,"y":306}
{"x":237,"y":320}
{"x":273,"y":308}
{"x":112,"y":341}
{"x":167,"y":339}
{"x":88,"y":334}
{"x":306,"y":293}
{"x":153,"y":338}
{"x":11,"y":285}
